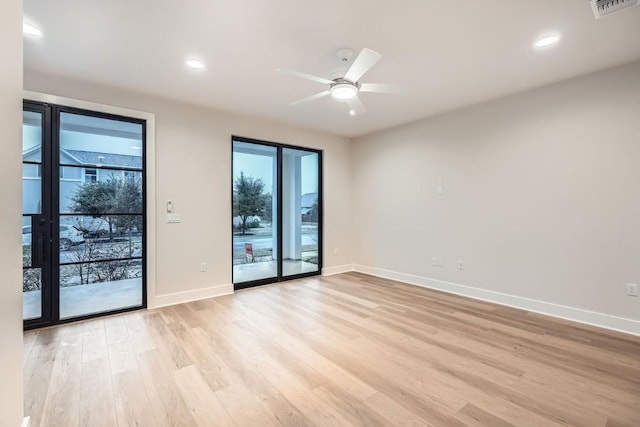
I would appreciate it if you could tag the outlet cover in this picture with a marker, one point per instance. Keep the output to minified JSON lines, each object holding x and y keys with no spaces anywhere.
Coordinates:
{"x":632,"y":289}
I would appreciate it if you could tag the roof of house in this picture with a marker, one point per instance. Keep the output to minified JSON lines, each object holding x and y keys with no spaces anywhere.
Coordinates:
{"x":95,"y":158}
{"x":91,"y":158}
{"x":308,"y":199}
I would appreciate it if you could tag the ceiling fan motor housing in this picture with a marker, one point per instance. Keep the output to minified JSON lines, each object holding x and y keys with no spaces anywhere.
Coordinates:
{"x":341,"y":81}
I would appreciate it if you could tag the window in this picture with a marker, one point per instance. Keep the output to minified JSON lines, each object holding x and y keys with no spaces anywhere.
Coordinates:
{"x":90,"y":175}
{"x":70,"y":173}
{"x":30,"y":170}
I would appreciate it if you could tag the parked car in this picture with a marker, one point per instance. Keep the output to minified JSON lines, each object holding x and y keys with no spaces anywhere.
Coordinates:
{"x":69,"y":236}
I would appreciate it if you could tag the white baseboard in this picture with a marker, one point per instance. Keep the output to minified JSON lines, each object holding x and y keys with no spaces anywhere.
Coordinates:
{"x":593,"y":318}
{"x":330,"y":271}
{"x":191,"y":295}
{"x":26,"y":421}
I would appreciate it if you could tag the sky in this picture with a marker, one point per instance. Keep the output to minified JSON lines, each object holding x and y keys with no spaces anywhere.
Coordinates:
{"x":86,"y":141}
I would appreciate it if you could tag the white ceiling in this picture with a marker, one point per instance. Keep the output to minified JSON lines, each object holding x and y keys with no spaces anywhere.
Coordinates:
{"x":444,"y":54}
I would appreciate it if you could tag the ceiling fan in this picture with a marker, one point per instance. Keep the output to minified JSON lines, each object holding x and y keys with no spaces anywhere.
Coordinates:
{"x":345,"y":86}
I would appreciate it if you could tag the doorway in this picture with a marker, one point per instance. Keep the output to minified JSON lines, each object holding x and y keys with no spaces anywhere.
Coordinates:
{"x":277,"y":212}
{"x":83,"y":226}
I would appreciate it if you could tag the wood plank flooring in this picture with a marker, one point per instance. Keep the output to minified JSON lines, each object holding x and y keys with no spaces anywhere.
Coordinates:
{"x":345,"y":350}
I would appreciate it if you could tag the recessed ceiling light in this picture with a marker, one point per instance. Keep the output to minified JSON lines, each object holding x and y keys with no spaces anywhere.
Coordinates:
{"x":195,"y":64}
{"x":31,"y":30}
{"x":547,"y":41}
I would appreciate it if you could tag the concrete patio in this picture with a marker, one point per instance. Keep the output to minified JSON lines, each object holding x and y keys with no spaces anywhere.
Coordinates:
{"x":267,"y":269}
{"x":82,"y":300}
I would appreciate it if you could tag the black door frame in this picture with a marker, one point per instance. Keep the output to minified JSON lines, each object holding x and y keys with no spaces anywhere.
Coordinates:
{"x":50,"y":195}
{"x":46,"y":209}
{"x":280,"y":278}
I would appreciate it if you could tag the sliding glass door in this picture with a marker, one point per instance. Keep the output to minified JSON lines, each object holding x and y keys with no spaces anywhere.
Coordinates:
{"x":255,"y":205}
{"x":277,"y":206}
{"x":83,"y":214}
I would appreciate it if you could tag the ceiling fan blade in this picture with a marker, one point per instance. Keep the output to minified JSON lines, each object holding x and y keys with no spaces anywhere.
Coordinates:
{"x":356,"y":106}
{"x":310,"y":98}
{"x":379,"y":88}
{"x":302,"y":75}
{"x":363,"y":63}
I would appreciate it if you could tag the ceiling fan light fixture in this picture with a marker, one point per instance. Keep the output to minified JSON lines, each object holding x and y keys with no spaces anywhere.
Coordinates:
{"x":344,"y":91}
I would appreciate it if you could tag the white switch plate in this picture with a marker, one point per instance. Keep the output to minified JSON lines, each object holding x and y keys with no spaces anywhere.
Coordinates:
{"x":173,"y":218}
{"x":460,"y":265}
{"x":632,"y":289}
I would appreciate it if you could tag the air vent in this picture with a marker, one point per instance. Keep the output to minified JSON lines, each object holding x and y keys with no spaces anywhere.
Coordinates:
{"x":607,"y":7}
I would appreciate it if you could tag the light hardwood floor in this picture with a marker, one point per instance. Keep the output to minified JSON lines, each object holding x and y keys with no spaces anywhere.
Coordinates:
{"x":346,"y":350}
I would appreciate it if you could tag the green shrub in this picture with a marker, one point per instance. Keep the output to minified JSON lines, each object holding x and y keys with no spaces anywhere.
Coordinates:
{"x":31,"y":280}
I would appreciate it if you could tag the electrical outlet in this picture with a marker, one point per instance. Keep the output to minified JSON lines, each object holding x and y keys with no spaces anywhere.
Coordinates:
{"x":434,"y":261}
{"x":203,"y":267}
{"x":460,"y":265}
{"x":336,"y":251}
{"x":632,"y":289}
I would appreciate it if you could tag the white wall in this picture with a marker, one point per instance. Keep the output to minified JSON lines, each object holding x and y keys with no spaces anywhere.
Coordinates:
{"x":10,"y":219}
{"x":193,"y":169}
{"x":541,"y":199}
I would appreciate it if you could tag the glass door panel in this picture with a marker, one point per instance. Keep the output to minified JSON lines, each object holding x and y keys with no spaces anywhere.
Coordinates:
{"x":101,"y":215}
{"x":255,"y":212}
{"x":32,"y":220}
{"x":300,"y":212}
